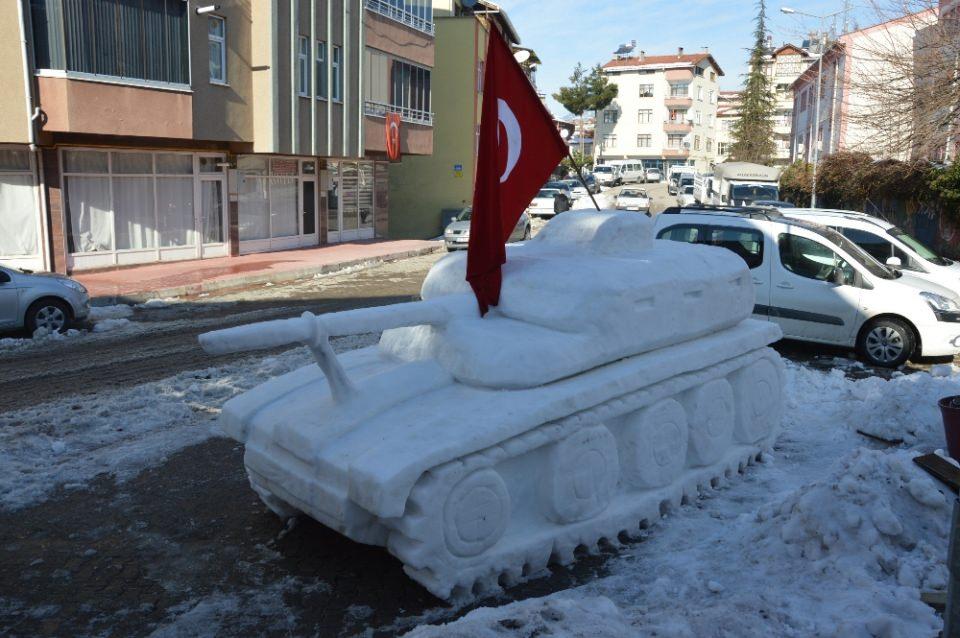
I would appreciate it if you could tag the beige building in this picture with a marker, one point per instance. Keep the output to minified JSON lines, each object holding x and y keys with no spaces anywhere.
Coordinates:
{"x":783,"y":66}
{"x":665,"y":111}
{"x":164,"y":129}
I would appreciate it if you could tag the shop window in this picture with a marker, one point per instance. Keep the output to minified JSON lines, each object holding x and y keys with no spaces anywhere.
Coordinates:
{"x":18,"y":209}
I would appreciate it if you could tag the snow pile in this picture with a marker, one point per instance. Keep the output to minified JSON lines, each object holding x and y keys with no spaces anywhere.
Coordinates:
{"x":118,"y":311}
{"x":158,"y":303}
{"x":40,"y":336}
{"x":106,"y":325}
{"x":559,"y":615}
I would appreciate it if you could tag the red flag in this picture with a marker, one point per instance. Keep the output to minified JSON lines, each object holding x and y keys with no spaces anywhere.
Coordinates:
{"x":519,"y":148}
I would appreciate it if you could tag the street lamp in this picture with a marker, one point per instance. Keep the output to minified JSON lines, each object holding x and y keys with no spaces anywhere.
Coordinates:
{"x":816,"y":111}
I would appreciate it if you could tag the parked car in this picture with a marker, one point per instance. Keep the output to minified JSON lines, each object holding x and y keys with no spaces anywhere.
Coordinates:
{"x":685,"y":196}
{"x":772,"y":203}
{"x":40,"y":300}
{"x":607,"y":175}
{"x":628,"y":170}
{"x":887,"y":244}
{"x":564,"y":186}
{"x":456,"y":236}
{"x":653,"y":175}
{"x":547,"y":203}
{"x":592,"y":184}
{"x":632,"y":199}
{"x":576,"y":187}
{"x":819,"y":286}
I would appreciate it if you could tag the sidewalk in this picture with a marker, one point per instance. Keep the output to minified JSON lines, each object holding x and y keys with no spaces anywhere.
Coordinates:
{"x":174,"y":279}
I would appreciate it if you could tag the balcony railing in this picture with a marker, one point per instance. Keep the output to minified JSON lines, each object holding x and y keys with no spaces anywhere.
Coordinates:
{"x":414,"y":116}
{"x":402,"y":16}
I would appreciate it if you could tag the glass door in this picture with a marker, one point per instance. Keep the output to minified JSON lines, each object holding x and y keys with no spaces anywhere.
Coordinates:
{"x":308,"y":208}
{"x":333,"y":202}
{"x":212,"y":222}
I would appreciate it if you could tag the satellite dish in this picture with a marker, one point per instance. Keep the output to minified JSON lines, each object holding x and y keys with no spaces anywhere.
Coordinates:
{"x":521,"y":55}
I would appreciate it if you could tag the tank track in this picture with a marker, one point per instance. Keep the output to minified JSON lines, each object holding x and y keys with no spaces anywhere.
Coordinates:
{"x":493,"y":518}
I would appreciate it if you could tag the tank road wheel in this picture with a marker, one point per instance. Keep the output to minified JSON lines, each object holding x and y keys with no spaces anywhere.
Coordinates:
{"x":759,"y":403}
{"x":711,"y":422}
{"x":581,"y":475}
{"x":476,"y":513}
{"x":655,"y":445}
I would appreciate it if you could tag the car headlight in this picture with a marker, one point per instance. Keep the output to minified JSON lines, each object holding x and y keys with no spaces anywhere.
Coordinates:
{"x":73,"y":285}
{"x":939,"y":303}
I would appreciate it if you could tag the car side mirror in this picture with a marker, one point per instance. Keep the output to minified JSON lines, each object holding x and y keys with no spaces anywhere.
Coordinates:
{"x":894,"y":262}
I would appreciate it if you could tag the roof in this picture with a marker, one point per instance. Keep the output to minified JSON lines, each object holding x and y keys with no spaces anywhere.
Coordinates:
{"x":499,"y":14}
{"x":789,"y":47}
{"x":686,"y":59}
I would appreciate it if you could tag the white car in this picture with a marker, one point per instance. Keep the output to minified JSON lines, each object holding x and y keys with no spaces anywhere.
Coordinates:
{"x":653,"y":175}
{"x":47,"y":300}
{"x":576,"y":187}
{"x":887,"y":244}
{"x":685,"y":196}
{"x":607,"y":175}
{"x":632,"y":199}
{"x":821,"y":287}
{"x":456,"y":236}
{"x":547,"y":203}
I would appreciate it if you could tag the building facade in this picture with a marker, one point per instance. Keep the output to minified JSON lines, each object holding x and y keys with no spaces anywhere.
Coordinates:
{"x":426,"y":190}
{"x":844,"y":116}
{"x":665,"y":110}
{"x":165,"y":130}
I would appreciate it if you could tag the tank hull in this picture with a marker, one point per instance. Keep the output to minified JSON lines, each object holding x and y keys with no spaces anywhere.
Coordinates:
{"x":474,"y":488}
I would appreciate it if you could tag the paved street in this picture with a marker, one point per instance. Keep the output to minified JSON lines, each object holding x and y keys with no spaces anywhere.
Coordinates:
{"x":185,"y":543}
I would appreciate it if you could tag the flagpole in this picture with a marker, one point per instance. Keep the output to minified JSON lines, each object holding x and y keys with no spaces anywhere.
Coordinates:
{"x":580,"y":175}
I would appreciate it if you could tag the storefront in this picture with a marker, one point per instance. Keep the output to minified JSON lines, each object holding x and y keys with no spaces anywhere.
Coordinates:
{"x":350,"y":200}
{"x":21,"y":224}
{"x":133,"y":206}
{"x":277,"y":203}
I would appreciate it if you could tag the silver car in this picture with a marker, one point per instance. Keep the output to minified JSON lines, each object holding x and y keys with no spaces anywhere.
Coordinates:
{"x":457,"y":234}
{"x":47,"y":300}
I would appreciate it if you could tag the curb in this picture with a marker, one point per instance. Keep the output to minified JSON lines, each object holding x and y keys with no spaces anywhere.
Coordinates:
{"x":246,"y":281}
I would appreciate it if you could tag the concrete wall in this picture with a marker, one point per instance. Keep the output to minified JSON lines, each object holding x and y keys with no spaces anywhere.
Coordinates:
{"x":13,"y":123}
{"x":420,"y":187}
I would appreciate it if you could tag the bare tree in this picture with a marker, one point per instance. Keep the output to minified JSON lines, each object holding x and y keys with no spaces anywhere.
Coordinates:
{"x":899,"y":88}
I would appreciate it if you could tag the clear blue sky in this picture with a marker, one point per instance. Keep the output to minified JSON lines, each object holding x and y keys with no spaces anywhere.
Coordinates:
{"x":564,"y":32}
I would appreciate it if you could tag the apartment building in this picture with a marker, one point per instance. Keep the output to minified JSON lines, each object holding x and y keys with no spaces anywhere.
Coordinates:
{"x":665,"y":111}
{"x":427,"y":189}
{"x":783,"y":66}
{"x":136,"y":132}
{"x":844,"y":117}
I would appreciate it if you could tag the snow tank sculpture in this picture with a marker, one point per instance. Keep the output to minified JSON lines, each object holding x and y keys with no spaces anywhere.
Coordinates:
{"x":617,"y":379}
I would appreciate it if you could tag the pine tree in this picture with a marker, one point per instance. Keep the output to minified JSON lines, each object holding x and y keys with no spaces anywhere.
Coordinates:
{"x":576,"y":98}
{"x":601,"y":92}
{"x":753,"y":131}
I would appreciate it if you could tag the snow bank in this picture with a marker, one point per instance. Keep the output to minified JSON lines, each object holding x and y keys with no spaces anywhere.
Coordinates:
{"x":106,"y":325}
{"x":70,"y":441}
{"x":593,"y":617}
{"x":118,"y":311}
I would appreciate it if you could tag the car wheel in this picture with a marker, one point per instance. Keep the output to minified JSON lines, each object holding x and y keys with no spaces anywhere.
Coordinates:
{"x":52,"y":314}
{"x":886,"y":342}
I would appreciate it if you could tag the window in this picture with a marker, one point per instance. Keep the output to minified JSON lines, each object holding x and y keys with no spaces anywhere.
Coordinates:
{"x":217,"y":36}
{"x":321,"y":70}
{"x":18,"y":209}
{"x":336,"y":92}
{"x":713,"y":76}
{"x":721,"y":148}
{"x":410,"y":88}
{"x":644,"y":141}
{"x":675,"y":140}
{"x":678,"y":116}
{"x":696,"y":142}
{"x":145,"y":40}
{"x":679,"y":89}
{"x":698,"y":117}
{"x":709,"y":145}
{"x":745,"y":242}
{"x":698,"y":71}
{"x":688,"y":234}
{"x":644,"y":116}
{"x":610,"y":116}
{"x":609,"y":140}
{"x":700,"y":93}
{"x":646,"y":90}
{"x":303,"y":66}
{"x":808,"y":258}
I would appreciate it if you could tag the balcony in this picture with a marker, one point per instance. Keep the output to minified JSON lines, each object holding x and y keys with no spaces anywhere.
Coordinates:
{"x":677,"y":127}
{"x":413,"y":116}
{"x":398,"y":14}
{"x":683,"y":102}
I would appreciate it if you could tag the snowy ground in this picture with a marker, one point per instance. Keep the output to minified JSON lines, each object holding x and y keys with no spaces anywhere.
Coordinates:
{"x":830,"y":536}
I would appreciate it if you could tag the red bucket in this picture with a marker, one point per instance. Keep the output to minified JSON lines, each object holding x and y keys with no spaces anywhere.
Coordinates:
{"x":950,"y":410}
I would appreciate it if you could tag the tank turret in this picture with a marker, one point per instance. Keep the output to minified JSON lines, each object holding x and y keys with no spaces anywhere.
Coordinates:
{"x":619,"y":377}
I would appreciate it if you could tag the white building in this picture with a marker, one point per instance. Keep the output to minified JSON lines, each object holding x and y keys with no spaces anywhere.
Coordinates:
{"x":728,"y":112}
{"x":850,"y":96}
{"x":665,"y":111}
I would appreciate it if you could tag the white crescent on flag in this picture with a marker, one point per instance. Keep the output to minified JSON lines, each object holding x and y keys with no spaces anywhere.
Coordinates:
{"x":514,"y":137}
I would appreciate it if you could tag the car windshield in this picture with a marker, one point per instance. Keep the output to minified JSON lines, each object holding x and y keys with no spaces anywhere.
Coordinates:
{"x":464,"y":215}
{"x":632,"y":193}
{"x":688,"y":190}
{"x":547,"y":192}
{"x":858,"y":254}
{"x":919,"y":247}
{"x":686,"y":180}
{"x":749,"y":193}
{"x":602,"y":169}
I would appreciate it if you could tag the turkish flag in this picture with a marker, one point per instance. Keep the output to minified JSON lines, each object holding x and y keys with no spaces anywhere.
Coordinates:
{"x":519,"y":148}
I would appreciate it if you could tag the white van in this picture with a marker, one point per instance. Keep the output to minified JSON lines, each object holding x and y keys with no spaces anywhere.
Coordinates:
{"x":607,"y":175}
{"x":821,"y":287}
{"x":630,"y":170}
{"x":886,"y":243}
